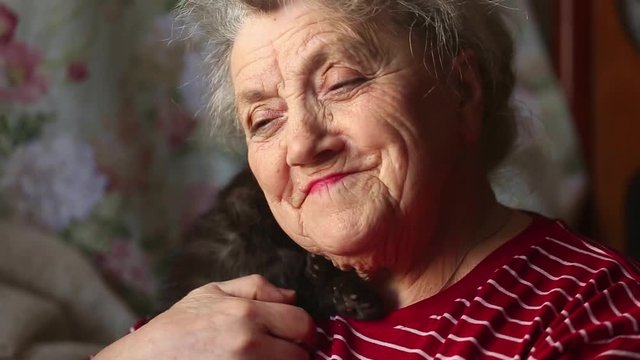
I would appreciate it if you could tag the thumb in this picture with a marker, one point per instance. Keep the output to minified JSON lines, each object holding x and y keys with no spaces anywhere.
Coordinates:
{"x":256,"y":287}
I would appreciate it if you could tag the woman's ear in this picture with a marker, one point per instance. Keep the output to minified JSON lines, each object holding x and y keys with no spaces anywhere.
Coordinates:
{"x":467,"y":81}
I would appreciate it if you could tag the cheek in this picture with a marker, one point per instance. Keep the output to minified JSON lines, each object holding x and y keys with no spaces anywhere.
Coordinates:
{"x":383,"y":120}
{"x":381,"y":128}
{"x":268,"y":170}
{"x":415,"y":142}
{"x":420,"y":117}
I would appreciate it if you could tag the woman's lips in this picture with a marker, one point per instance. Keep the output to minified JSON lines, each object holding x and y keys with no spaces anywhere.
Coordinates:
{"x":324,"y":182}
{"x":314,"y":186}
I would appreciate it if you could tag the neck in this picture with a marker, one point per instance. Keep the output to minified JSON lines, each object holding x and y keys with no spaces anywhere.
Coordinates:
{"x":470,"y":222}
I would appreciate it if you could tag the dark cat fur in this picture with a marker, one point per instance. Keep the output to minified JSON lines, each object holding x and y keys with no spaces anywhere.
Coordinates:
{"x":239,"y":236}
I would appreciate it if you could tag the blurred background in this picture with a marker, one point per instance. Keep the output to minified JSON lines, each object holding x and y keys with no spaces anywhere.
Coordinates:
{"x":105,"y":158}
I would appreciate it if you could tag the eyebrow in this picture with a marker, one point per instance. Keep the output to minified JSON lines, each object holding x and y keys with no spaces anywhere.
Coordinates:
{"x":251,"y":96}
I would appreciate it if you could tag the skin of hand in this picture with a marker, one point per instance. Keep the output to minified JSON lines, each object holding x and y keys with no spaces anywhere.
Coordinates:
{"x":244,"y":318}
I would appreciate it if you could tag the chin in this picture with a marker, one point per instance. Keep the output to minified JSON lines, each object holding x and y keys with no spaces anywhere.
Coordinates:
{"x":349,"y":247}
{"x":365,"y":265}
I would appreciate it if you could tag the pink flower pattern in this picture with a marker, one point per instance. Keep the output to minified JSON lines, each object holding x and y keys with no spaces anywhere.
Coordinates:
{"x":8,"y":23}
{"x":128,"y":264}
{"x":174,"y":122}
{"x":77,"y":71}
{"x":20,"y":79}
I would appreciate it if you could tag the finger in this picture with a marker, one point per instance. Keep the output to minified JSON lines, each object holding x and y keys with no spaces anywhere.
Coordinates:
{"x":256,"y":287}
{"x":281,"y":349}
{"x":287,"y":322}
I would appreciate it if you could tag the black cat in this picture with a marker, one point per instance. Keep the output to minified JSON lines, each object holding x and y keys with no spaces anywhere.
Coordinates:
{"x":239,"y":236}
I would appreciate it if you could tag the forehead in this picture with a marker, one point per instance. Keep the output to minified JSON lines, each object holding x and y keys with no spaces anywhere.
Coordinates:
{"x":276,"y":27}
{"x":292,"y":39}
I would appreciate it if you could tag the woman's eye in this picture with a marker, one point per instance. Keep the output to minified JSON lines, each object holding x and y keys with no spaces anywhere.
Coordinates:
{"x":262,"y":120}
{"x":341,"y":78}
{"x":347,"y":83}
{"x":258,"y":124}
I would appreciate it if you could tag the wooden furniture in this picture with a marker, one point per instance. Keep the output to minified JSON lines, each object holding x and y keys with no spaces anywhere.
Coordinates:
{"x":599,"y":67}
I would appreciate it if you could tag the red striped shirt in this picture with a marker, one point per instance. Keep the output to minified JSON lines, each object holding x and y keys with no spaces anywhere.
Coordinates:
{"x":546,"y":294}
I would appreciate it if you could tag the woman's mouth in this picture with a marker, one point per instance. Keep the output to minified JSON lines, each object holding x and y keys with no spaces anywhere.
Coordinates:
{"x":324,"y":182}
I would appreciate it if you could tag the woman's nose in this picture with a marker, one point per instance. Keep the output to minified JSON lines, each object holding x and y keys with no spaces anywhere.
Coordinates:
{"x":310,"y":143}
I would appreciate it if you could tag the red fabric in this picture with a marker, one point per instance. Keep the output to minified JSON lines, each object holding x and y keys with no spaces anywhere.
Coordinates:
{"x":546,"y":294}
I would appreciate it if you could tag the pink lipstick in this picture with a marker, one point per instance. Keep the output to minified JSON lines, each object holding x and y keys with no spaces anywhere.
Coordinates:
{"x":324,"y":182}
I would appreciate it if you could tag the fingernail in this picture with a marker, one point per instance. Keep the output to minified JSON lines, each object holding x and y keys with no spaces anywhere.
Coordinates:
{"x":287,"y":292}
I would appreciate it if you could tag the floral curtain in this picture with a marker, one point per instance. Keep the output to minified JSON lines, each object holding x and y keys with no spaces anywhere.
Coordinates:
{"x":99,"y":132}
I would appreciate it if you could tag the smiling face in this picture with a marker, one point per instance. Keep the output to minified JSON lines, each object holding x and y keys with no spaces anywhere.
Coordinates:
{"x":350,"y":137}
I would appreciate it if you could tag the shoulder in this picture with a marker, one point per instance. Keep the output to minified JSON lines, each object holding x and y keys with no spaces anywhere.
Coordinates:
{"x":558,"y":247}
{"x":549,"y":254}
{"x":576,"y":266}
{"x":600,"y":312}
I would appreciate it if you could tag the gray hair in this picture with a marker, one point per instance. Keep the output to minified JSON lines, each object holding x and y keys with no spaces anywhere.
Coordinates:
{"x":449,"y":27}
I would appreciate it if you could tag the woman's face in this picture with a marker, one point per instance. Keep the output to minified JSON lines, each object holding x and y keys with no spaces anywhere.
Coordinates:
{"x":350,"y":137}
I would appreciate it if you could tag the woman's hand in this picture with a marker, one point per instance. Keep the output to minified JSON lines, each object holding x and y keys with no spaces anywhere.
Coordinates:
{"x":245,"y":318}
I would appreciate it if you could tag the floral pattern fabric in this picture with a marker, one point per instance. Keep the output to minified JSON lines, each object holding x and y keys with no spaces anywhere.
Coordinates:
{"x":100,"y":133}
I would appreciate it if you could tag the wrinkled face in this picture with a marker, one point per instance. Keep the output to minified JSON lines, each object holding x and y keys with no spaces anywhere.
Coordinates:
{"x":351,"y":139}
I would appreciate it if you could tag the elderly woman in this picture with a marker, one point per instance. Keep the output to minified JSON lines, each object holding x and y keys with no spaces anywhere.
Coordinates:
{"x":371,"y":127}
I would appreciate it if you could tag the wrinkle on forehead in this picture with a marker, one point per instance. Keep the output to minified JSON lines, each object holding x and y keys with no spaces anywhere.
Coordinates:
{"x":255,"y":60}
{"x":264,"y":33}
{"x":265,"y":71}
